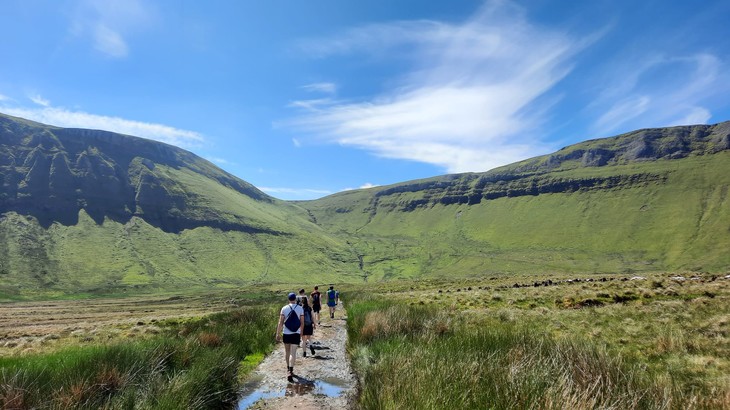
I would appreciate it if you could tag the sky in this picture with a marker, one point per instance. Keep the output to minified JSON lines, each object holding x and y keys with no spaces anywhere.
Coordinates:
{"x":308,"y":98}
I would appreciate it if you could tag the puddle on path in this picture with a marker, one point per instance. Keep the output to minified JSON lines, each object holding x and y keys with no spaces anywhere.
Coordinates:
{"x":252,"y":391}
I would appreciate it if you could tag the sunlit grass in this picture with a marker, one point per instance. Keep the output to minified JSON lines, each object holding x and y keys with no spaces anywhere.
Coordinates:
{"x":487,"y":345}
{"x":194,"y":365}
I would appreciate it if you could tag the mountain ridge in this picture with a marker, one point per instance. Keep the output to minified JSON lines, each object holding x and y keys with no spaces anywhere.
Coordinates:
{"x":90,"y":212}
{"x":107,"y":174}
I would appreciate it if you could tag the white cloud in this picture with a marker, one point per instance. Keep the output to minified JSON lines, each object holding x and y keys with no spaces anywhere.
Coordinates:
{"x":312,"y":105}
{"x":327,"y":88}
{"x":109,"y":42}
{"x":469,"y":101}
{"x":4,"y":98}
{"x":363,"y":186}
{"x":623,"y":111}
{"x":697,"y":115}
{"x":109,"y":23}
{"x":661,"y":91}
{"x":296,"y":142}
{"x":39,"y":100}
{"x":77,"y":119}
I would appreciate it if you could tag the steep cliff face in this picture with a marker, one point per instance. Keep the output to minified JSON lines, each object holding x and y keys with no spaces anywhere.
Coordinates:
{"x":90,"y":212}
{"x":52,"y":173}
{"x":647,"y":200}
{"x":546,"y":174}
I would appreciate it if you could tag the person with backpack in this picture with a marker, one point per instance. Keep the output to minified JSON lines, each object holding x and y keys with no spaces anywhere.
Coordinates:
{"x":332,"y":301}
{"x":291,"y":324}
{"x":309,"y":327}
{"x":316,"y":304}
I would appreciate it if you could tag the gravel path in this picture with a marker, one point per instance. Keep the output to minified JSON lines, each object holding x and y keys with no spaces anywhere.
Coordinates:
{"x":324,"y":381}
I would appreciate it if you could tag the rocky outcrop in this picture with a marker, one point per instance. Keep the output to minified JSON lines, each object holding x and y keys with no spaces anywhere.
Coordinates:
{"x":540,"y":175}
{"x":52,"y":173}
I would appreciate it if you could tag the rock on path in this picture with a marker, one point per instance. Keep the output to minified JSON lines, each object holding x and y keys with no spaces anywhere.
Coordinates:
{"x":325,"y":381}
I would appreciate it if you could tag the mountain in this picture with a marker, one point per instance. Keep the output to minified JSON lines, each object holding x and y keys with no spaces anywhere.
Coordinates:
{"x":649,"y":200}
{"x":84,"y":211}
{"x":87,"y":212}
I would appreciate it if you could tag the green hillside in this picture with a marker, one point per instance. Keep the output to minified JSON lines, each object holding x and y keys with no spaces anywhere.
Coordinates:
{"x":651,"y":200}
{"x":85,"y":212}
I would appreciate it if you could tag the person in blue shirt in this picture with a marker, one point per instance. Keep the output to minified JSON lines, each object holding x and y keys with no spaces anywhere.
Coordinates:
{"x":332,"y":301}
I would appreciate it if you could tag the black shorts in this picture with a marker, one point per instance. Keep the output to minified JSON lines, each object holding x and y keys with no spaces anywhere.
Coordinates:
{"x":292,"y":339}
{"x":308,"y":330}
{"x":316,"y":307}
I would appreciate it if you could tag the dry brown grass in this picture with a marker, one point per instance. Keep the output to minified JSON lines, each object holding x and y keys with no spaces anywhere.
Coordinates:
{"x":210,"y":339}
{"x":45,"y":326}
{"x":12,"y":397}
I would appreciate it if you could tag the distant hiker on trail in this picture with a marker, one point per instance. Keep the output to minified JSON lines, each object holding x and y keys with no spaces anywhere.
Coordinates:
{"x":291,"y":323}
{"x":309,"y":327}
{"x":302,"y":294}
{"x":316,"y":304}
{"x":332,"y":301}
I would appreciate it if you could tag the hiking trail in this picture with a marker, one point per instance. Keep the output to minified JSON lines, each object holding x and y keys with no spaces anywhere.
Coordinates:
{"x":325,"y":381}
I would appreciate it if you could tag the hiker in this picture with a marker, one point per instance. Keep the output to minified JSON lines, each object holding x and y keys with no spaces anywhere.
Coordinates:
{"x":316,"y":304}
{"x":332,"y":301}
{"x":291,"y":324}
{"x":302,"y":294}
{"x":309,"y":327}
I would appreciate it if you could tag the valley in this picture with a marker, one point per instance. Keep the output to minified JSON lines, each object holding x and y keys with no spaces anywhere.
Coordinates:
{"x":596,"y":276}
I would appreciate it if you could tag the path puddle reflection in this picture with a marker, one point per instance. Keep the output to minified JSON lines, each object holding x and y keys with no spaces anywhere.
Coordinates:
{"x":252,"y":391}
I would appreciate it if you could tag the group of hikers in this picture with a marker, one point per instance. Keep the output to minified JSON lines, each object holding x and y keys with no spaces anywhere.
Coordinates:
{"x":298,"y":320}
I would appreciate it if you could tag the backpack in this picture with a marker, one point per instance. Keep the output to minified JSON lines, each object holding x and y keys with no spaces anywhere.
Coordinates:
{"x":292,"y":321}
{"x":331,"y":295}
{"x":315,"y":297}
{"x":307,"y":317}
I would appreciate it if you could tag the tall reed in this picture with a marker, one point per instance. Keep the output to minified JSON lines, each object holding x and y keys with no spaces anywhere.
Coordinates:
{"x":193,"y":366}
{"x":416,"y":357}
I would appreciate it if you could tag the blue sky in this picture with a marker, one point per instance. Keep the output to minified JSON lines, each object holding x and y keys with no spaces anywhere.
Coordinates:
{"x":308,"y":98}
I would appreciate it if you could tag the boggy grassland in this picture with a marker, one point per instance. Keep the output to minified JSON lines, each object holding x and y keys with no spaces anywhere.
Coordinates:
{"x":656,"y":341}
{"x":176,"y":352}
{"x":519,"y":342}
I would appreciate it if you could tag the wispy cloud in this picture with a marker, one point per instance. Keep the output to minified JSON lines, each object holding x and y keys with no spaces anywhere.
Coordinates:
{"x":62,"y":117}
{"x":4,"y":98}
{"x":327,"y":88}
{"x":220,"y":161}
{"x":661,"y":91}
{"x":109,"y":23}
{"x":37,"y":99}
{"x":464,"y":103}
{"x":109,"y":42}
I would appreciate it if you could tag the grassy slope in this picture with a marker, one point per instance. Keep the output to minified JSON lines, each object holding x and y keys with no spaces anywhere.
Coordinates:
{"x":677,"y":219}
{"x":680,"y":223}
{"x":88,"y":257}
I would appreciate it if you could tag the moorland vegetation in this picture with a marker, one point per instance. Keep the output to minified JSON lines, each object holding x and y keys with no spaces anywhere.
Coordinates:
{"x":581,"y":343}
{"x":594,"y":277}
{"x":86,"y":212}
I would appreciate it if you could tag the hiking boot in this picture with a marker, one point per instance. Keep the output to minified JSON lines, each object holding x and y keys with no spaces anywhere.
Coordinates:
{"x":305,"y":353}
{"x":310,"y":348}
